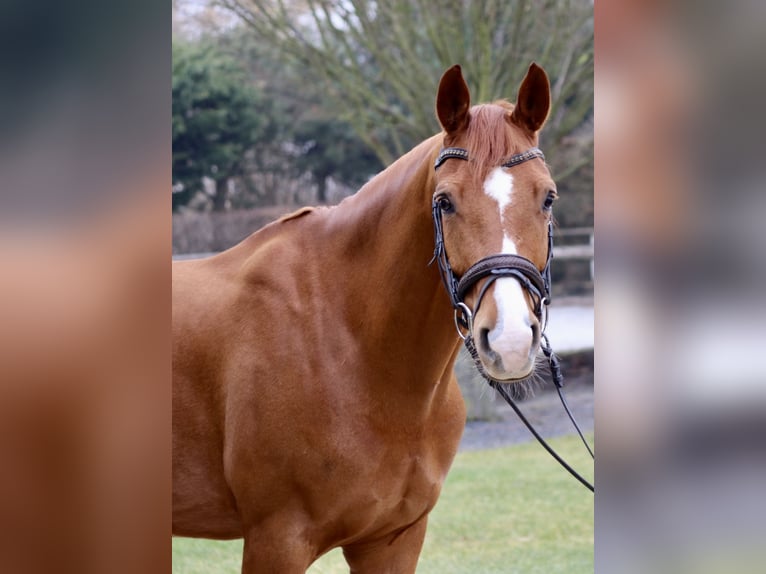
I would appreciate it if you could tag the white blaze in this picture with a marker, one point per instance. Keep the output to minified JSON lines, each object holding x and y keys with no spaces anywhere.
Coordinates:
{"x":499,"y":186}
{"x":512,"y":334}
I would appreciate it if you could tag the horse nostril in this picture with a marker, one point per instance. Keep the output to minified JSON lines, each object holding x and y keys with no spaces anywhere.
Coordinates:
{"x":484,"y":344}
{"x":484,"y":340}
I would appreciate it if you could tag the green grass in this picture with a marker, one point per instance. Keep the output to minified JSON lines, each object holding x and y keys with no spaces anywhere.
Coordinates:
{"x":511,"y":510}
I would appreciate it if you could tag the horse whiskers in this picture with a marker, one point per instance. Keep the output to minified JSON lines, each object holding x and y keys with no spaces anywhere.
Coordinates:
{"x":519,"y":389}
{"x":484,"y":389}
{"x":527,"y":387}
{"x":538,"y":381}
{"x":524,"y":388}
{"x":541,"y":364}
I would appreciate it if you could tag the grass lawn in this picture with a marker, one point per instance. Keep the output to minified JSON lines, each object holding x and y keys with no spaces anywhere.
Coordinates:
{"x":510,"y":510}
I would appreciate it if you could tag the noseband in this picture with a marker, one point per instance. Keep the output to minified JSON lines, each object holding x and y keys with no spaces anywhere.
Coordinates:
{"x":537,"y":284}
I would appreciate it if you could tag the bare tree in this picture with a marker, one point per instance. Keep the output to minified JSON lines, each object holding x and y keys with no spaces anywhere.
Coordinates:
{"x":380,"y":59}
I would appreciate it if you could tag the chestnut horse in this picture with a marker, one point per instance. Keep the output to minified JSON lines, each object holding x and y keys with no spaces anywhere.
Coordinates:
{"x":314,"y":401}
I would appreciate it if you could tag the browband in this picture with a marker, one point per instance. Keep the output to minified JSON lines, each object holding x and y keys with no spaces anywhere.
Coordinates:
{"x":460,"y":153}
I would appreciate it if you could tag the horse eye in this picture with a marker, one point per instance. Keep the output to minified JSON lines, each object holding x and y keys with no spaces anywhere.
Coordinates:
{"x":445,"y":204}
{"x":548,"y":203}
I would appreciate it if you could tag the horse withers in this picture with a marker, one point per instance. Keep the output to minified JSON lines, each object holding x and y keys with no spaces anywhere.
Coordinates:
{"x":314,"y":401}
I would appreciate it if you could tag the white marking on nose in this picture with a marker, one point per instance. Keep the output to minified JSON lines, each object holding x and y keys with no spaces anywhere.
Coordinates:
{"x":511,"y":337}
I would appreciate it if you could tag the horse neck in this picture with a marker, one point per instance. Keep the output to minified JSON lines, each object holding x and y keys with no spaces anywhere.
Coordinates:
{"x":387,"y":241}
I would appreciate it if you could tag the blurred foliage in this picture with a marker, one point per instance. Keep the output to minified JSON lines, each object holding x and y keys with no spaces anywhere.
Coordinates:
{"x":331,"y":148}
{"x":216,"y":119}
{"x":241,"y":114}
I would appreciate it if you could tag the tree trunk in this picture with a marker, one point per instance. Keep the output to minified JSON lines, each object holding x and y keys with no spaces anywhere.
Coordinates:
{"x":221,"y":194}
{"x":322,"y":190}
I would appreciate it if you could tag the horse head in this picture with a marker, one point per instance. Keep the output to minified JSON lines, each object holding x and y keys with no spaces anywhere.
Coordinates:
{"x":497,"y":200}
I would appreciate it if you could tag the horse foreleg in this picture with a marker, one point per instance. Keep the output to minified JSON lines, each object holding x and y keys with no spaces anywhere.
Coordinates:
{"x":396,"y":554}
{"x":274,"y":550}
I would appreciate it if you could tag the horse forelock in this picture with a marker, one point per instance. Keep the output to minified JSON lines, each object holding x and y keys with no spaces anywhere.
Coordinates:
{"x":490,"y":138}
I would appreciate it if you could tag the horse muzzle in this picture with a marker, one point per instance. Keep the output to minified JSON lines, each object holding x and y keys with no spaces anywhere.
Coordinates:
{"x":507,"y":320}
{"x":507,"y":340}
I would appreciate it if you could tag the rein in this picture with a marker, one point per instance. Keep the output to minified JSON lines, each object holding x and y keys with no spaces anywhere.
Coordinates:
{"x":537,"y":284}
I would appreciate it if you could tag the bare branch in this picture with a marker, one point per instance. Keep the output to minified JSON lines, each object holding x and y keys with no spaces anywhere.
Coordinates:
{"x":381,"y":61}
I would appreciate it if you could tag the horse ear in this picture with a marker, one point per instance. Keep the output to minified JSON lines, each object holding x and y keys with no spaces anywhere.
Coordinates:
{"x":453,"y":100}
{"x":534,"y":100}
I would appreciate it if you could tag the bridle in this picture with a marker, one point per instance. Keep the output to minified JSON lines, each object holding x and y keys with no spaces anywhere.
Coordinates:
{"x":536,"y":283}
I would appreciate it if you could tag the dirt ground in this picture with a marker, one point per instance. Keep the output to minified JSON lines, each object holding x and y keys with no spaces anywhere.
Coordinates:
{"x":544,"y":410}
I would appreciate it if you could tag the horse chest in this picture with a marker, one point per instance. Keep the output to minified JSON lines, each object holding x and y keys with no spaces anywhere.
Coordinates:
{"x":389,"y":466}
{"x":375,"y":482}
{"x":387,"y":493}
